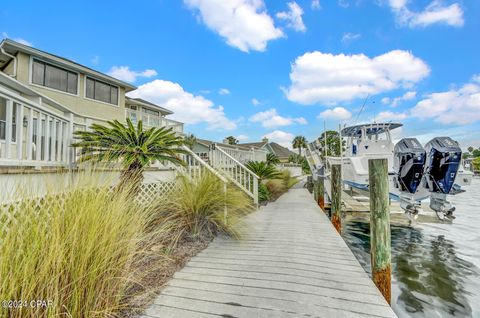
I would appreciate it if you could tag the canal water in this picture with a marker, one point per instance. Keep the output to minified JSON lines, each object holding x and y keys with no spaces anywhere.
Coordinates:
{"x":435,"y":266}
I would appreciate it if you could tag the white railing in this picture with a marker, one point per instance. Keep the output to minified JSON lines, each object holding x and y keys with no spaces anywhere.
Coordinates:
{"x":195,"y":167}
{"x":32,"y":135}
{"x":244,"y":156}
{"x":235,"y":171}
{"x":150,"y":120}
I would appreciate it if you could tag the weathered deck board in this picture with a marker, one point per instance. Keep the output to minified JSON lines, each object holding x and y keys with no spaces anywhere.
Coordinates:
{"x":291,"y":263}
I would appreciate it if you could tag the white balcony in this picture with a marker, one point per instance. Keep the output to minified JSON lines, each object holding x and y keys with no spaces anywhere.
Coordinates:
{"x":32,"y":135}
{"x":150,"y":120}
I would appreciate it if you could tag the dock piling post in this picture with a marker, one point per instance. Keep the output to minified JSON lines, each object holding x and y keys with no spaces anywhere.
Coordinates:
{"x":321,"y":193}
{"x":336,"y":196}
{"x":380,"y":241}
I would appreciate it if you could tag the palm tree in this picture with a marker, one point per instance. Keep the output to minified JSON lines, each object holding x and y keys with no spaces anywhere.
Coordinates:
{"x":190,"y":140}
{"x":299,"y":142}
{"x":133,"y":146}
{"x":272,"y":159}
{"x":231,"y":140}
{"x":263,"y":170}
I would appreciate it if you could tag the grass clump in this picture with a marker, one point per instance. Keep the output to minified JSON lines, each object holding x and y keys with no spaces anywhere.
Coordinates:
{"x":76,"y":249}
{"x":196,"y":211}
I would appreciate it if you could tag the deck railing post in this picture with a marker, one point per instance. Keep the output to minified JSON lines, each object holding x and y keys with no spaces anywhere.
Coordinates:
{"x":380,"y":244}
{"x":336,"y":196}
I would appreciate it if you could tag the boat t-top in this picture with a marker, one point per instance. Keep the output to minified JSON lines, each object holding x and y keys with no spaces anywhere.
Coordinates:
{"x":416,"y":172}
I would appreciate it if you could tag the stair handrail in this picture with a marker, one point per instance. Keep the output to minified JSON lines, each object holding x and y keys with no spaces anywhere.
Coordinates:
{"x":238,"y":162}
{"x":251,"y":190}
{"x":204,"y":164}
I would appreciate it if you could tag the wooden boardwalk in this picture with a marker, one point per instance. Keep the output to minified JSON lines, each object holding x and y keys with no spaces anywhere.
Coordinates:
{"x":292,"y":263}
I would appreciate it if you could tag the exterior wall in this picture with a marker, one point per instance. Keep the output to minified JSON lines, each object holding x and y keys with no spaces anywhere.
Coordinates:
{"x":199,"y":148}
{"x":78,"y":104}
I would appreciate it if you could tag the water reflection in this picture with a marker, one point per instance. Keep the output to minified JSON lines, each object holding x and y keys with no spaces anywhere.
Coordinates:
{"x":427,"y":275}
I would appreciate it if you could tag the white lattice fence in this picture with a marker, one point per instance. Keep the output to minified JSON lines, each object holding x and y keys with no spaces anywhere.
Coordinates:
{"x":12,"y":211}
{"x":155,"y":191}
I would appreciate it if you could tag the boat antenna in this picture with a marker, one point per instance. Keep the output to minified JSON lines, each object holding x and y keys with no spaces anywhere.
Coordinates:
{"x":361,"y":109}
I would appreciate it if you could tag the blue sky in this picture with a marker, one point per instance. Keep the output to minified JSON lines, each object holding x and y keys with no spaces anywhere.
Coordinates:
{"x":254,"y":68}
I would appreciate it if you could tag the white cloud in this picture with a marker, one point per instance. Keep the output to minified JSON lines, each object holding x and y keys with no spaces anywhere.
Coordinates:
{"x":271,"y":119}
{"x":125,"y":74}
{"x":456,"y":106}
{"x":337,"y":113}
{"x":435,"y":13}
{"x":343,"y":3}
{"x":318,"y":77}
{"x":349,"y":37}
{"x":293,"y":17}
{"x":95,"y":60}
{"x":19,"y":40}
{"x":281,"y":137}
{"x":187,"y":108}
{"x":242,"y":137}
{"x":224,"y":91}
{"x":255,"y":102}
{"x":316,"y":5}
{"x":397,"y":100}
{"x":476,"y":78}
{"x":244,"y":24}
{"x":386,"y":116}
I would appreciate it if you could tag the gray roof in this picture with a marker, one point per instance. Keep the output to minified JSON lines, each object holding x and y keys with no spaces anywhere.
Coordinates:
{"x":13,"y":47}
{"x":280,"y":151}
{"x":254,"y":144}
{"x":147,"y":103}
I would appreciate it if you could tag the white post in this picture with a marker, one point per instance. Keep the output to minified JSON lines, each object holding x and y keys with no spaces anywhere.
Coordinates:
{"x":59,"y":141}
{"x":255,"y":191}
{"x":46,"y":156}
{"x":69,"y":139}
{"x":30,"y":133}
{"x":8,"y":129}
{"x":38,"y":143}
{"x":19,"y":119}
{"x":53,"y":138}
{"x":65,"y":138}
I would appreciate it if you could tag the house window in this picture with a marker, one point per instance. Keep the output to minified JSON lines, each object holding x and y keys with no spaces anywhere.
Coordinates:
{"x":54,"y":77}
{"x":101,"y":91}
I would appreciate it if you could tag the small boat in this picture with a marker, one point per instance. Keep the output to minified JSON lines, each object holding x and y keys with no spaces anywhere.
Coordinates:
{"x":416,"y":173}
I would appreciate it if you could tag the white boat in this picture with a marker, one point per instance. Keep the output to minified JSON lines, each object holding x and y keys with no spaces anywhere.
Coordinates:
{"x":414,"y":173}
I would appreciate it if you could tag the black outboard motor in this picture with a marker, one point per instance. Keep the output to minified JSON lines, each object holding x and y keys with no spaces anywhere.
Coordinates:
{"x":443,"y":160}
{"x":409,"y":163}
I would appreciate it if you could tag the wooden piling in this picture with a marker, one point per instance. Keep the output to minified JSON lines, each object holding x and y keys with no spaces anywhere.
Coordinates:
{"x":321,"y":193}
{"x":380,"y":244}
{"x":336,"y":183}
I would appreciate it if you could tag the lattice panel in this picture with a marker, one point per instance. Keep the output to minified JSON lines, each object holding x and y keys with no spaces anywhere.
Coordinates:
{"x":155,"y":191}
{"x":12,"y":211}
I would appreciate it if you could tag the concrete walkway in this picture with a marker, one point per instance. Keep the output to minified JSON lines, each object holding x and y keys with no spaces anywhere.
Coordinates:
{"x":292,"y":263}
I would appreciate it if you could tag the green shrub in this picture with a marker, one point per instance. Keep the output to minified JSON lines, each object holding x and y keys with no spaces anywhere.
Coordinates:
{"x":196,"y":210}
{"x":263,"y":170}
{"x":263,"y":194}
{"x":77,"y":250}
{"x":276,"y":188}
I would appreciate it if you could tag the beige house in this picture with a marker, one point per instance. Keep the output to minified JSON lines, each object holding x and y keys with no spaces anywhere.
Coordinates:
{"x":44,"y":98}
